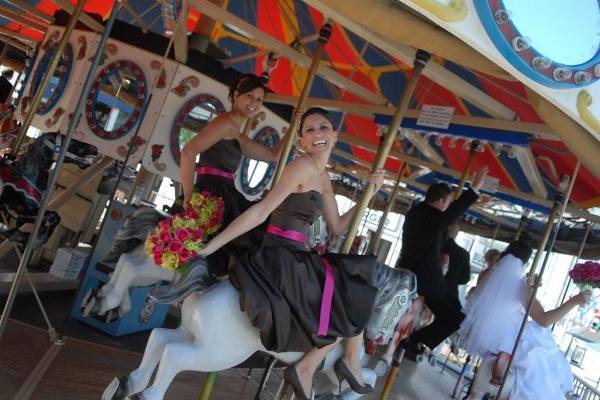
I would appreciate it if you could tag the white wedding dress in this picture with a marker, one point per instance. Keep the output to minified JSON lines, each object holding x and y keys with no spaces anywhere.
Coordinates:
{"x":493,"y":317}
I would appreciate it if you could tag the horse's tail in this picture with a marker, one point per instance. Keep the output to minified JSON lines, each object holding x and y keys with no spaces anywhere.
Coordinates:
{"x":133,"y":232}
{"x":196,"y":279}
{"x":389,"y":281}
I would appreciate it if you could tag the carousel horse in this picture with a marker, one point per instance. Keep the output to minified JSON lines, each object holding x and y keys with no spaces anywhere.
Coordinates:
{"x":133,"y":268}
{"x":8,"y":126}
{"x":215,"y":334}
{"x":24,"y":180}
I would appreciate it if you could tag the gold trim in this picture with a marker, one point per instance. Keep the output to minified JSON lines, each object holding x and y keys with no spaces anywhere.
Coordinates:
{"x":584,"y":101}
{"x":454,"y":11}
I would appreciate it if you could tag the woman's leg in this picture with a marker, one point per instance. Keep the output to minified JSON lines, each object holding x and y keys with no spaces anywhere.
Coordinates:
{"x":307,"y":367}
{"x":352,"y":357}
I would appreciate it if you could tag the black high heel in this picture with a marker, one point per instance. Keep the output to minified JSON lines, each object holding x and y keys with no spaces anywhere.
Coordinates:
{"x":290,"y":375}
{"x":343,"y":372}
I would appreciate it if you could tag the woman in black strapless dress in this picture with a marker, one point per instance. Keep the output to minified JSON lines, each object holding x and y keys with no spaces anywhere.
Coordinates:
{"x":221,"y":145}
{"x":299,"y":300}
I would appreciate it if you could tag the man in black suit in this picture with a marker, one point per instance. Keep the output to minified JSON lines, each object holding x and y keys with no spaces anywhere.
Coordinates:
{"x":5,"y":85}
{"x":459,"y":263}
{"x":424,"y":233}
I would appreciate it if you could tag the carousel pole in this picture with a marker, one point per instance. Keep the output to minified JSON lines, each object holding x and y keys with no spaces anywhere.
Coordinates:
{"x":549,"y":237}
{"x":522,"y":224}
{"x":388,"y":207}
{"x":63,"y":150}
{"x":324,"y":35}
{"x":421,"y":59}
{"x":465,"y":173}
{"x":579,"y":253}
{"x":37,"y":99}
{"x":495,"y":236}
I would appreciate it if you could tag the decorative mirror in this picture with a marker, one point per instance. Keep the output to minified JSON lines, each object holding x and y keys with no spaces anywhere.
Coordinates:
{"x":191,"y":118}
{"x":116,"y":100}
{"x":556,"y":43}
{"x":59,"y":80}
{"x":256,"y":175}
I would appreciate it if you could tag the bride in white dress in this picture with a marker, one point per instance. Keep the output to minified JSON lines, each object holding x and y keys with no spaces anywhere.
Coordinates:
{"x":493,"y":317}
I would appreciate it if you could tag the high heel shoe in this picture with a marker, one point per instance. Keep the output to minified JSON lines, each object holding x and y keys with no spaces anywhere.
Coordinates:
{"x":343,"y":372}
{"x":290,"y":375}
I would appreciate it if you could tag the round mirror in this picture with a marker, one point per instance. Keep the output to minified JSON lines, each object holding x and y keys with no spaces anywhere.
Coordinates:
{"x":116,"y":100}
{"x":191,"y":118}
{"x":256,"y":175}
{"x":59,"y":79}
{"x":565,"y":32}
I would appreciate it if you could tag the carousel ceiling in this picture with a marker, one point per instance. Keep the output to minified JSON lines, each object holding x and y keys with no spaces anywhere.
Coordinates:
{"x":362,"y":75}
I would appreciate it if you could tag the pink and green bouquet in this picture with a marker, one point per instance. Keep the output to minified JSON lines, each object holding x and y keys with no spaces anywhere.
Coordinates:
{"x":178,"y":239}
{"x":586,"y":275}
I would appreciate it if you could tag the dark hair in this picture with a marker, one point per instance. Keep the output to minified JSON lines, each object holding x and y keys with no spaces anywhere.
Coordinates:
{"x":244,"y":84}
{"x":312,"y":111}
{"x":520,"y":249}
{"x":437,"y":191}
{"x":8,"y":72}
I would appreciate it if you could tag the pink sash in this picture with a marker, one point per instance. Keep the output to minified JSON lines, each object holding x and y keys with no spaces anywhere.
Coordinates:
{"x":215,"y":172}
{"x":328,"y":288}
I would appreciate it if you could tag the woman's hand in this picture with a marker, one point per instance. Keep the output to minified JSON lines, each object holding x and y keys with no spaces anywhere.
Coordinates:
{"x":376,"y":178}
{"x":582,"y":298}
{"x":207,"y":250}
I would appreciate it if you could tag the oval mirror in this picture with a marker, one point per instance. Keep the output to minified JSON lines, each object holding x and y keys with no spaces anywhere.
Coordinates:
{"x":255,"y":175}
{"x":59,"y":79}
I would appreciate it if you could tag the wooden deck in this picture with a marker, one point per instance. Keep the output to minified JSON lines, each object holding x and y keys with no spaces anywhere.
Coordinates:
{"x":81,"y":370}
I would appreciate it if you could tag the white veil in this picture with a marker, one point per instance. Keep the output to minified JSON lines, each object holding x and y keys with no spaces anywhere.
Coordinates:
{"x":495,"y":310}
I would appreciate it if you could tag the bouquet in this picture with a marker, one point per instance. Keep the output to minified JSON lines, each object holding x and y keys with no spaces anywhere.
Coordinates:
{"x":586,"y":275}
{"x":178,"y":239}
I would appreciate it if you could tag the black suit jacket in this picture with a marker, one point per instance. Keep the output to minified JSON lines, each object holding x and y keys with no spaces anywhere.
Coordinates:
{"x":423,"y":235}
{"x":459,"y":267}
{"x":5,"y":88}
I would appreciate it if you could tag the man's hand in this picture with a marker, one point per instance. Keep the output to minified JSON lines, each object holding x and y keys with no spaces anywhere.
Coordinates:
{"x":479,"y":178}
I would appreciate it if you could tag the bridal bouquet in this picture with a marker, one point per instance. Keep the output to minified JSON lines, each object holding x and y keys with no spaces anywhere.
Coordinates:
{"x":178,"y":239}
{"x":586,"y":275}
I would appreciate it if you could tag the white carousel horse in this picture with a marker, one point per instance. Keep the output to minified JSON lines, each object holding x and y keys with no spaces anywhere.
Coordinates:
{"x":215,"y":335}
{"x":133,"y":268}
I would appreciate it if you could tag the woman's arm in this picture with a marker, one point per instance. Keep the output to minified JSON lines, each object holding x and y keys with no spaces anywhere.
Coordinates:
{"x":218,"y":129}
{"x":294,"y":177}
{"x":259,"y":151}
{"x":547,"y":318}
{"x":339,"y":224}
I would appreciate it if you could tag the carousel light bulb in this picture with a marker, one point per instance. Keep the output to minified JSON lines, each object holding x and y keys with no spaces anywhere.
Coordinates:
{"x":582,"y":77}
{"x":520,"y":43}
{"x":597,"y":70}
{"x":540,"y":63}
{"x":439,"y":140}
{"x":562,"y":74}
{"x":452,"y":143}
{"x":497,"y":149}
{"x":502,"y":16}
{"x":466,"y":145}
{"x":481,"y":147}
{"x":512,"y":152}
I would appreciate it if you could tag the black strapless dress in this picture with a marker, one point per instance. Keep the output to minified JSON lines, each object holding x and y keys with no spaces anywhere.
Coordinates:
{"x":281,"y":284}
{"x":225,"y":156}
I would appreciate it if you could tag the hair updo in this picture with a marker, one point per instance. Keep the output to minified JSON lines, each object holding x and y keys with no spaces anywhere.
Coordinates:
{"x":244,"y":84}
{"x":312,"y":111}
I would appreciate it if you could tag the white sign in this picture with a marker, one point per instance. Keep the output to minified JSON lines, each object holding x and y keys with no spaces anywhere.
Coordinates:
{"x":435,"y":116}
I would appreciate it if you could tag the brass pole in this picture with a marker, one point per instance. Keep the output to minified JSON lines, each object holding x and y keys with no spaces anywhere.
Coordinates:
{"x":324,"y":35}
{"x":560,"y":203}
{"x":37,"y":99}
{"x":421,"y":59}
{"x":465,"y":173}
{"x":388,"y":207}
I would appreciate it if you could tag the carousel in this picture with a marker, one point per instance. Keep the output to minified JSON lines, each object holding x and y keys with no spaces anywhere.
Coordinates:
{"x":105,"y":95}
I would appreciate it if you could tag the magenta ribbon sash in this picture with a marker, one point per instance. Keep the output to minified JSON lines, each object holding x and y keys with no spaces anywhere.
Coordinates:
{"x":287,"y":234}
{"x":327,"y":296}
{"x":215,"y":172}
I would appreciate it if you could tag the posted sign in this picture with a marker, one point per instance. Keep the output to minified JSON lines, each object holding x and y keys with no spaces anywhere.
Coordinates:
{"x":435,"y":116}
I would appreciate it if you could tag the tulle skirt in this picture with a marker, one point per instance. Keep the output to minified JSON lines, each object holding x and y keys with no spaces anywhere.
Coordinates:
{"x":281,"y":286}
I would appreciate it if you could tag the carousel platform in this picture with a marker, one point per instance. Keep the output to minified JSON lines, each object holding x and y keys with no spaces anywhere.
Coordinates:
{"x":81,"y":369}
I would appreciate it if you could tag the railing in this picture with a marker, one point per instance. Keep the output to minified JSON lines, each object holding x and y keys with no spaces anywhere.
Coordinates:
{"x":584,"y":390}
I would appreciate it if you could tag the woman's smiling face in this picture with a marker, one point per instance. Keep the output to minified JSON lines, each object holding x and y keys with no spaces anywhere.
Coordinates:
{"x":317,"y":134}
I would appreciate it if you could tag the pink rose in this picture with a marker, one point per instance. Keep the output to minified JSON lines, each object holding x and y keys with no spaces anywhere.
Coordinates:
{"x":175,"y":246}
{"x":165,"y":223}
{"x":157,"y":260}
{"x":182,"y":234}
{"x":595,"y":275}
{"x":191,"y":213}
{"x":185,"y":255}
{"x":164,"y":236}
{"x":197,"y":234}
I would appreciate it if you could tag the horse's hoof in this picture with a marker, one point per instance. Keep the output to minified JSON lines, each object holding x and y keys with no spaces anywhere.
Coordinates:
{"x":86,"y":298}
{"x":111,"y":315}
{"x":381,"y":367}
{"x":116,"y":389}
{"x":89,"y":307}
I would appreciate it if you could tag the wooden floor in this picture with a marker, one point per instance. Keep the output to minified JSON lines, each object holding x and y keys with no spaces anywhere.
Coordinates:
{"x":82,"y":370}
